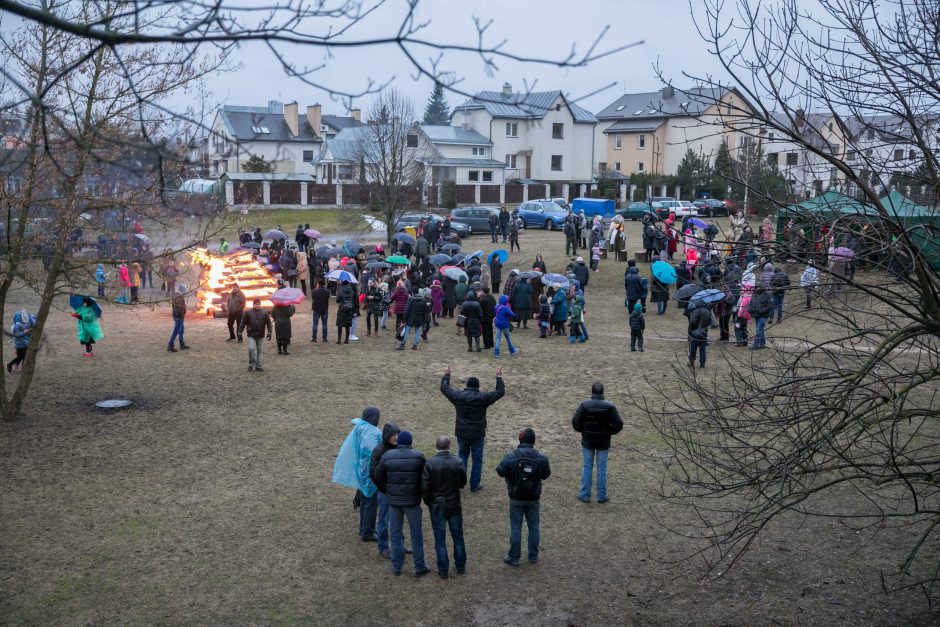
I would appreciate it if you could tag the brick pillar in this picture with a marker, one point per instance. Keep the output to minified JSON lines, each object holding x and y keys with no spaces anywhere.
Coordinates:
{"x":632,"y":192}
{"x":303,"y":194}
{"x":582,"y":190}
{"x":525,"y":193}
{"x":623,"y":193}
{"x":229,"y":193}
{"x":548,"y":191}
{"x":476,"y":194}
{"x":564,"y":190}
{"x":266,"y":193}
{"x":339,"y":194}
{"x":502,"y":194}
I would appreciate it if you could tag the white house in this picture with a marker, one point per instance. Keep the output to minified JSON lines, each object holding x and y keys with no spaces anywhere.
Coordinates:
{"x":454,"y":153}
{"x":280,"y":134}
{"x":538,"y":135}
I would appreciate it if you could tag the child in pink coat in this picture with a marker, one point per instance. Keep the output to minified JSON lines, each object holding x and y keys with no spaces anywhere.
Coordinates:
{"x":437,"y":301}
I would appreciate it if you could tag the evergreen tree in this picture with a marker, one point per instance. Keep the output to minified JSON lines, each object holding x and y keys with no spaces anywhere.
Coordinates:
{"x":691,"y":174}
{"x":722,"y":172}
{"x":256,"y":164}
{"x":437,"y":111}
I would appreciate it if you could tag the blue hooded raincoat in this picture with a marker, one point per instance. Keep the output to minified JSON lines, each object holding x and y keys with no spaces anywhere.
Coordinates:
{"x":352,"y":462}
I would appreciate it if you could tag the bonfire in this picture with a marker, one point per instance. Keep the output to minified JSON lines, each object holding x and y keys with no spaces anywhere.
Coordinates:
{"x":219,"y":272}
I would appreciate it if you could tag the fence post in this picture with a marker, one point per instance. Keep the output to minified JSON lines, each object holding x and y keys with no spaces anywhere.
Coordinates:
{"x":229,"y":193}
{"x":662,"y":190}
{"x":548,"y":191}
{"x":266,"y":192}
{"x":564,"y":190}
{"x":678,"y":193}
{"x":632,"y":192}
{"x":303,"y":194}
{"x":339,"y":194}
{"x":502,"y":194}
{"x":623,"y":192}
{"x":525,"y":193}
{"x":582,"y":190}
{"x":476,"y":194}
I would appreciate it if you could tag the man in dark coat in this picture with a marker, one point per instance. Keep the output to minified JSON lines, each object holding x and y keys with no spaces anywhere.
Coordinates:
{"x":581,"y":272}
{"x":320,"y":306}
{"x":493,"y":222}
{"x":443,"y":477}
{"x":496,"y":273}
{"x":398,"y":475}
{"x":524,"y":469}
{"x":471,"y":405}
{"x":760,"y":307}
{"x":504,"y":222}
{"x":596,"y":420}
{"x":389,"y":441}
{"x":236,"y":309}
{"x":256,"y":323}
{"x":422,"y":250}
{"x":473,"y":320}
{"x":413,"y":319}
{"x":633,"y":286}
{"x":521,"y":302}
{"x":700,"y":319}
{"x":488,"y":308}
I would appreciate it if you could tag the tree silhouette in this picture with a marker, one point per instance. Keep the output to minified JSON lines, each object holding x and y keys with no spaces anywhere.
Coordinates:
{"x":437,"y":110}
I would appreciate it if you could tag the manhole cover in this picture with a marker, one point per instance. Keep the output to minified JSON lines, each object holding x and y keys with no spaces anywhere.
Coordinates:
{"x":114,"y":403}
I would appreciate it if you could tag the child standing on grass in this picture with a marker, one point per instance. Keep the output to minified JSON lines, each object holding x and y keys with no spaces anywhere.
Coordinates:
{"x":637,"y":325}
{"x":595,"y":256}
{"x":576,"y":319}
{"x":545,"y":316}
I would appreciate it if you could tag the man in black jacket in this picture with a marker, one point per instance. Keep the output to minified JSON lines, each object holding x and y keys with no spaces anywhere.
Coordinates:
{"x":398,"y":475}
{"x":256,"y":323}
{"x":389,"y":441}
{"x":444,"y":475}
{"x":471,"y":405}
{"x":524,"y":469}
{"x":699,"y":320}
{"x":320,"y":305}
{"x":760,"y":307}
{"x":414,"y":319}
{"x":596,"y":420}
{"x":581,"y":272}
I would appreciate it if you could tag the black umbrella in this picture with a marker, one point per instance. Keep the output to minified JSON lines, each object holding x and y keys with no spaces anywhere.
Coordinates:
{"x":404,"y":238}
{"x":325,"y":252}
{"x":440,"y":259}
{"x":458,"y":258}
{"x":685,"y":292}
{"x":453,"y":247}
{"x":251,"y":245}
{"x":530,"y":274}
{"x":378,"y":265}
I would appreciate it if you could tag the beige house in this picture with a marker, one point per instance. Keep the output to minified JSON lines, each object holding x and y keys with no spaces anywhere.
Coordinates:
{"x":650,"y":132}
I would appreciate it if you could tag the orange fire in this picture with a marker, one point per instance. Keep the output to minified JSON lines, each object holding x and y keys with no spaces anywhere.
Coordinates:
{"x":219,"y":272}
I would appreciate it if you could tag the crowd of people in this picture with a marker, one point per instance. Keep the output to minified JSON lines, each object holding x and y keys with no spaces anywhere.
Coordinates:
{"x":392,"y":478}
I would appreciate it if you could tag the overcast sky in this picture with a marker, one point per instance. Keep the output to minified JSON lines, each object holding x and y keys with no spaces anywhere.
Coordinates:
{"x":535,"y":28}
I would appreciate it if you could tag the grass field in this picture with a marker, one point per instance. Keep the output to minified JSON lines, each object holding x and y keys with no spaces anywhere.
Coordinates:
{"x":210,"y":502}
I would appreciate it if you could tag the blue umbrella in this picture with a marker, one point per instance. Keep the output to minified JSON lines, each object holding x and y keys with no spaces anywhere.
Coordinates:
{"x":664,"y":273}
{"x":404,"y":238}
{"x":474,"y":254}
{"x":555,"y":280}
{"x":708,"y":297}
{"x":341,"y":275}
{"x":351,"y":247}
{"x":440,"y":259}
{"x":699,"y":224}
{"x":77,"y":300}
{"x":499,"y":252}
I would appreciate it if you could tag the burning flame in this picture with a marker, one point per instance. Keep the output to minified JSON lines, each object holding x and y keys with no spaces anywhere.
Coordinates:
{"x":219,"y":272}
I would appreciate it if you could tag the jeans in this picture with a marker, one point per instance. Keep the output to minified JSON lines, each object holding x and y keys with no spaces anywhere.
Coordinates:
{"x":101,"y":290}
{"x":368,"y":507}
{"x":503,"y":333}
{"x":660,"y":307}
{"x":384,"y":317}
{"x":254,"y":351}
{"x":177,"y":332}
{"x":352,"y":327}
{"x":759,"y":341}
{"x":518,"y":510}
{"x":493,"y":233}
{"x":396,"y":516}
{"x":381,"y":523}
{"x":778,"y":307}
{"x":467,"y":449}
{"x":404,"y":336}
{"x":724,"y":324}
{"x":504,"y":227}
{"x":697,"y":346}
{"x":587,"y":467}
{"x":439,"y":524}
{"x":318,"y":318}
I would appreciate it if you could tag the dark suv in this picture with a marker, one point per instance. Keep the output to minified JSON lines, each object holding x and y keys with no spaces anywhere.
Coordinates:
{"x":413,"y":219}
{"x":477,"y":217}
{"x":711,"y":207}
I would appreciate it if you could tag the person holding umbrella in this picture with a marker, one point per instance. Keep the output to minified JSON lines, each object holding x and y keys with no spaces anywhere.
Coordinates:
{"x":303,"y":272}
{"x":281,"y":313}
{"x":373,"y":303}
{"x":179,"y":314}
{"x":89,"y":329}
{"x":348,"y":306}
{"x":257,"y":325}
{"x":521,"y":300}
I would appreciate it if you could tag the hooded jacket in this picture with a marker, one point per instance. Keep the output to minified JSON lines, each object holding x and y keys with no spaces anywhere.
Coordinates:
{"x":560,"y":304}
{"x":471,"y":405}
{"x":390,"y":429}
{"x":414,"y":312}
{"x":632,"y":284}
{"x":596,"y":420}
{"x":504,"y":313}
{"x":355,"y":455}
{"x":581,"y":272}
{"x":508,"y":467}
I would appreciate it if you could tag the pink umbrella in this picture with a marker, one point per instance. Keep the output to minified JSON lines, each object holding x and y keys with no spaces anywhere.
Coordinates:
{"x":315,"y":234}
{"x":287,"y":296}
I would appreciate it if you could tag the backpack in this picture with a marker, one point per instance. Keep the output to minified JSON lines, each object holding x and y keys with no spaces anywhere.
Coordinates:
{"x":527,"y":479}
{"x":347,"y":304}
{"x":576,"y":313}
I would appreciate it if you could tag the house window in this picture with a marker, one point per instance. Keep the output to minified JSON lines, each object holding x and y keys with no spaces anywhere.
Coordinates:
{"x":308,"y":156}
{"x":602,"y":166}
{"x":556,"y":163}
{"x":618,"y":142}
{"x":616,"y":166}
{"x":869,"y":152}
{"x":898,"y":155}
{"x":412,"y":140}
{"x":851,"y":155}
{"x":479,"y":151}
{"x":345,"y":172}
{"x":830,"y":126}
{"x":473,"y":175}
{"x":512,"y":129}
{"x":729,"y":105}
{"x":641,"y":142}
{"x":558,"y":131}
{"x":871,"y":134}
{"x":511,"y":162}
{"x":771,"y":158}
{"x":770,"y":137}
{"x":791,"y":158}
{"x":640,"y":167}
{"x":324,"y":128}
{"x":487,"y":176}
{"x":911,"y":154}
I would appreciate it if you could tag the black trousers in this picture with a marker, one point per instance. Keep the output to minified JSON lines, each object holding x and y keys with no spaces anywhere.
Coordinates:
{"x":233,"y":318}
{"x":487,"y":334}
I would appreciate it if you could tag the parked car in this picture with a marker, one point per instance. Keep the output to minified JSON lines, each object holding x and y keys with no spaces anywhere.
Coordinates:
{"x":655,"y":199}
{"x":685,"y":208}
{"x":711,"y":207}
{"x":477,"y":217}
{"x":542,"y":214}
{"x":412,"y":219}
{"x":561,"y":202}
{"x":636,"y":210}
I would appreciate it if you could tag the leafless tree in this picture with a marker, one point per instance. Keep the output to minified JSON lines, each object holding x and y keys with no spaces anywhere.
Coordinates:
{"x":839,"y":419}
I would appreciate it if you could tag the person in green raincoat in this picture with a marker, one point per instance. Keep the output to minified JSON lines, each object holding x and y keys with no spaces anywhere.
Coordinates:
{"x":89,"y":331}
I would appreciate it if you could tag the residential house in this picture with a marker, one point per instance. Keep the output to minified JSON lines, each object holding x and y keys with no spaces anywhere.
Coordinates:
{"x":539,"y":135}
{"x":650,"y":132}
{"x":454,"y":153}
{"x":281,"y":135}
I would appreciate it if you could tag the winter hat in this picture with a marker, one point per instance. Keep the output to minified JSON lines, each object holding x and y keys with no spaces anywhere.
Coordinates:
{"x":435,"y":283}
{"x":181,"y":289}
{"x":526,"y":436}
{"x":404,"y":438}
{"x":473,"y":382}
{"x":503,"y":299}
{"x":579,"y":260}
{"x":371,"y":415}
{"x":638,"y":308}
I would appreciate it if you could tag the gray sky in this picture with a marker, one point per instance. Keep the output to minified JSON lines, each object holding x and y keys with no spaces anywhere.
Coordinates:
{"x":536,"y":28}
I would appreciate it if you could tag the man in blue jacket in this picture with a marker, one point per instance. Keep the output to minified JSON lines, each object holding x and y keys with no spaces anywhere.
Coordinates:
{"x":352,"y":467}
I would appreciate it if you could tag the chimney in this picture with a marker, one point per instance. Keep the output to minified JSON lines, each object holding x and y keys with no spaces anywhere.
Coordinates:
{"x":290,"y":116}
{"x":799,"y":118}
{"x":315,"y":118}
{"x":507,"y":89}
{"x":668,"y":92}
{"x":356,"y":115}
{"x":466,"y":120}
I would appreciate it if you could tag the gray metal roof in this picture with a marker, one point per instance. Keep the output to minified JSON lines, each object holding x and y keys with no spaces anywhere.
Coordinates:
{"x":348,"y":145}
{"x":530,"y":106}
{"x":441,"y":134}
{"x":653,"y":105}
{"x":270,"y":176}
{"x":339,"y":122}
{"x":635,"y":126}
{"x":469,"y":162}
{"x":243,"y":122}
